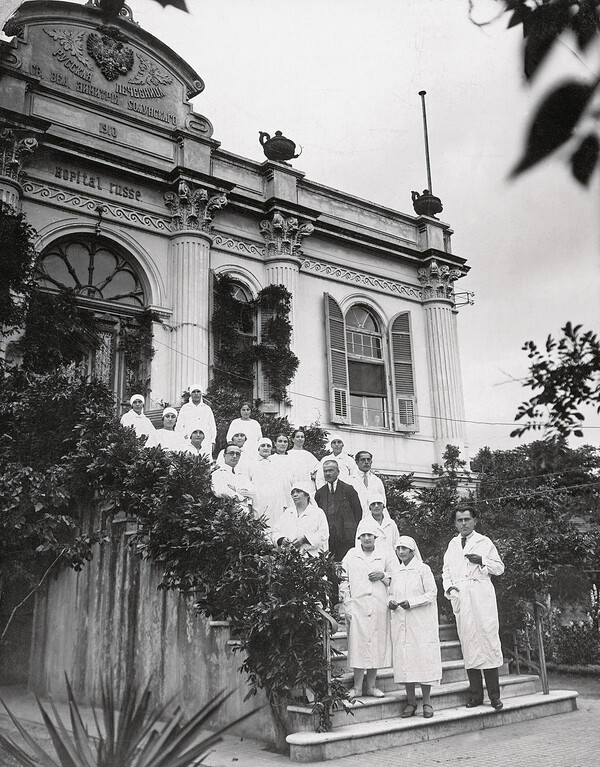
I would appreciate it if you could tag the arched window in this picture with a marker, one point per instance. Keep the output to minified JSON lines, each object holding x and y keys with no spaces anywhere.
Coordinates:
{"x":106,"y":283}
{"x":366,"y":368}
{"x":371,"y":381}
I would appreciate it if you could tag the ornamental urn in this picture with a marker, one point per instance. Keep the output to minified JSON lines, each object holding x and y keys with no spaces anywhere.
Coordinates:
{"x":278,"y":147}
{"x":426,"y":204}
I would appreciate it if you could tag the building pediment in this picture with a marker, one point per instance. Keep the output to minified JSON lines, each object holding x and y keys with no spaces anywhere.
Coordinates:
{"x":81,"y":68}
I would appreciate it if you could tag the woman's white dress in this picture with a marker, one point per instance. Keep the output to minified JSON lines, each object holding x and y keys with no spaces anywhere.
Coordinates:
{"x":250,"y":428}
{"x":302,"y":464}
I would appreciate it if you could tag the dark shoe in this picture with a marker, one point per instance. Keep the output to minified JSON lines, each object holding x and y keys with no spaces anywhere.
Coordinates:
{"x":409,"y":710}
{"x":427,"y":711}
{"x":497,"y":704}
{"x":474,"y":702}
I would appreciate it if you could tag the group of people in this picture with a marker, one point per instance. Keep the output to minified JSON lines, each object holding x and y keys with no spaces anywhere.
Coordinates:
{"x":390,"y":602}
{"x":338,"y":504}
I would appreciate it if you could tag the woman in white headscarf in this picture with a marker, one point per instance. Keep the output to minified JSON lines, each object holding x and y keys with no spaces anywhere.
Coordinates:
{"x":167,"y":437}
{"x":363,"y":588}
{"x":387,"y":526}
{"x":269,"y":483}
{"x":415,"y":634}
{"x":139,"y":422}
{"x":303,"y":524}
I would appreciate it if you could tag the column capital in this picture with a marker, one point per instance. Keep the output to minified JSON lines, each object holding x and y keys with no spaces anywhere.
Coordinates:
{"x":193,"y":208}
{"x":16,"y":148}
{"x":438,"y":281}
{"x":284,"y":235}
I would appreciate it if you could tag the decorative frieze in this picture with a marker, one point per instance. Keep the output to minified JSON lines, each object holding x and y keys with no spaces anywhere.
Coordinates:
{"x":284,"y":235}
{"x":437,"y":281}
{"x":16,"y":149}
{"x":193,"y":208}
{"x":342,"y":274}
{"x":238,"y":246}
{"x":60,"y":196}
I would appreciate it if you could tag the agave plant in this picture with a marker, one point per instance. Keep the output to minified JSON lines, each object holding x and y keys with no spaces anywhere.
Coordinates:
{"x":130,"y":733}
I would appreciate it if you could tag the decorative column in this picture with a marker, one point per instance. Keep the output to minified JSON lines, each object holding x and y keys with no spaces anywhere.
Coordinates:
{"x":16,"y":148}
{"x":447,"y":402}
{"x":192,"y":212}
{"x":283,"y":236}
{"x":283,"y":252}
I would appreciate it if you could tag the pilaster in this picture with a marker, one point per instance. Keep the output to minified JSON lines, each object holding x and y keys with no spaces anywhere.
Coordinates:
{"x":443,"y":358}
{"x":16,"y":149}
{"x":192,"y":210}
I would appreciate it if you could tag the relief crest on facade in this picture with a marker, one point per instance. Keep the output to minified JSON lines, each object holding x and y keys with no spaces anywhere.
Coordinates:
{"x":109,"y":52}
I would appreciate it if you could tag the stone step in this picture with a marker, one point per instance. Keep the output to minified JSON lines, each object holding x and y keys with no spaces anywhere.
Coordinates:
{"x":363,"y":737}
{"x":444,"y":696}
{"x":451,"y":650}
{"x":452,"y":671}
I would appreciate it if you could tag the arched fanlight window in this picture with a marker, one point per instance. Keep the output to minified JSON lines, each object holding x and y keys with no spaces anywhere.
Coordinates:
{"x":105,"y":281}
{"x":93,"y":269}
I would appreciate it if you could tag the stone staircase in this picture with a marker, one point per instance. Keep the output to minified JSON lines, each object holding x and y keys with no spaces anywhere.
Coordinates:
{"x":372,"y":724}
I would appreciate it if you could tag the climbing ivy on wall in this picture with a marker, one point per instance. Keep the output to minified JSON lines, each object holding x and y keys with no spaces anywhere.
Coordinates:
{"x":236,"y":352}
{"x":17,"y":259}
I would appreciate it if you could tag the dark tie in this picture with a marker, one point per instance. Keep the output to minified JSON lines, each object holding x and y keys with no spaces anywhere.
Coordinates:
{"x":331,"y":490}
{"x":463,"y":541}
{"x":233,"y":472}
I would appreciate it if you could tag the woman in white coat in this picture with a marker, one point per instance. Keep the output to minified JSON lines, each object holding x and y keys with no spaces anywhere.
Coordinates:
{"x":246,"y":425}
{"x":363,"y":589}
{"x":417,"y":655}
{"x":270,"y":483}
{"x":388,"y":528}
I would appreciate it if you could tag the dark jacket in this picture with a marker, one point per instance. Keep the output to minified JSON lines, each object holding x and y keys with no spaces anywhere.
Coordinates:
{"x":343,"y":511}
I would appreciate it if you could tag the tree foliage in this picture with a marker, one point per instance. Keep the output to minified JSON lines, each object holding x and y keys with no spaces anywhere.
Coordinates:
{"x":566,"y":376}
{"x":561,"y":116}
{"x":17,"y":260}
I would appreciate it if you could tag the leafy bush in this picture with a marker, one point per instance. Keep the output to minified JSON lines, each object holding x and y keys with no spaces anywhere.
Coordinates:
{"x":577,"y":644}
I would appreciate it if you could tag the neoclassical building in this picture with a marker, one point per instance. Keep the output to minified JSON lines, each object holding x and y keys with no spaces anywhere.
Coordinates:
{"x":137,"y":205}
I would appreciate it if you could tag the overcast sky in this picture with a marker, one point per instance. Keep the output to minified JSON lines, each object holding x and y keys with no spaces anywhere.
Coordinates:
{"x":341,"y":78}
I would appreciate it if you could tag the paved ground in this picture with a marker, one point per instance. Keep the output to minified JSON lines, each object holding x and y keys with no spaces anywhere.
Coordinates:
{"x":568,"y":739}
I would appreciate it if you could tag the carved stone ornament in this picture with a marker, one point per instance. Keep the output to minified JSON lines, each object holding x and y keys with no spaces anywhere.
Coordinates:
{"x":109,"y":52}
{"x":193,"y":208}
{"x":284,"y":235}
{"x":15,"y":152}
{"x":437,"y":281}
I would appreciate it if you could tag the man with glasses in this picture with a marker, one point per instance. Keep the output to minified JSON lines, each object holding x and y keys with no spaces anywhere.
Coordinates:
{"x":228,"y":482}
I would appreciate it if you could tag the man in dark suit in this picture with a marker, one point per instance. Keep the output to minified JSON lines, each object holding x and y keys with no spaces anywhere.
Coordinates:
{"x":342,"y":507}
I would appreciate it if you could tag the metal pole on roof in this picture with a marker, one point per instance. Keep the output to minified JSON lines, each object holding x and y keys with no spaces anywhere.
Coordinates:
{"x":429,"y":185}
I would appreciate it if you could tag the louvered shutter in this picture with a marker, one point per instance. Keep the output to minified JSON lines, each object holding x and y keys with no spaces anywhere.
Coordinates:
{"x":265,"y":390}
{"x":405,"y":402}
{"x":337,"y":362}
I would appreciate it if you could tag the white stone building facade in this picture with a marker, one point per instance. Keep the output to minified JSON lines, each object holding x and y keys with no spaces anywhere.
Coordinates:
{"x":136,"y":204}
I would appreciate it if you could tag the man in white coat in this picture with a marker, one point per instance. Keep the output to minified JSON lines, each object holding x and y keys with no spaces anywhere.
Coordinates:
{"x":469,"y":561}
{"x":227,"y":482}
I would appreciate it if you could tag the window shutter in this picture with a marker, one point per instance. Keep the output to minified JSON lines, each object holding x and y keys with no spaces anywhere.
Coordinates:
{"x":265,"y":390}
{"x":405,"y":402}
{"x":337,"y":361}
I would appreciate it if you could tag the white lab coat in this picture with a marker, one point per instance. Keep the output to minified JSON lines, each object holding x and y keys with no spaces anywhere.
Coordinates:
{"x":474,"y":604}
{"x":227,"y":484}
{"x":365,"y":601}
{"x":250,"y":428}
{"x":310,"y":523}
{"x":388,"y":530}
{"x":415,"y":634}
{"x":142,"y":426}
{"x":197,"y":417}
{"x":374,"y":486}
{"x":170,"y":440}
{"x":301,"y":465}
{"x":271,"y":488}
